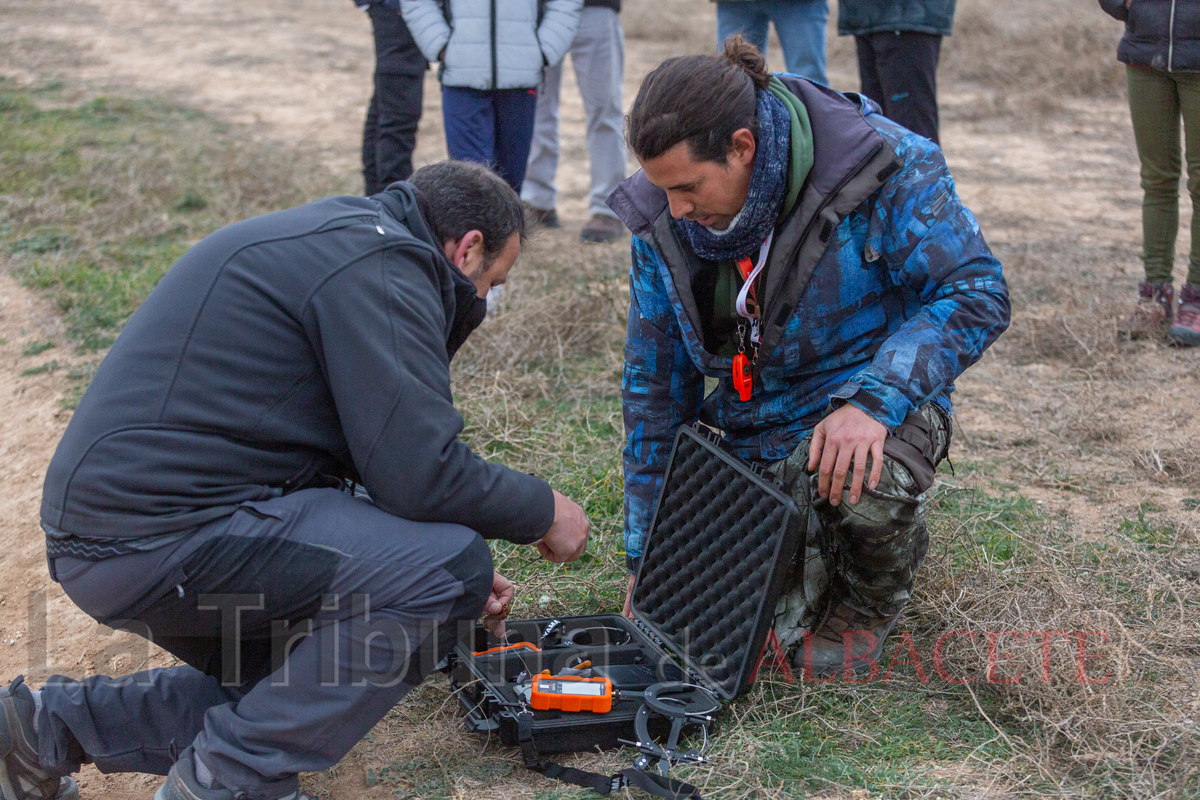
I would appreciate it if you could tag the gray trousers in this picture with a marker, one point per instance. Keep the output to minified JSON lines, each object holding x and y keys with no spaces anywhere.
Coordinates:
{"x":301,"y":620}
{"x":598,"y":56}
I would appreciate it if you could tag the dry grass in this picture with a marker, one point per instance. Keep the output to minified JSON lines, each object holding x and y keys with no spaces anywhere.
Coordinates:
{"x":1137,"y":588}
{"x":1031,"y":52}
{"x":1022,"y":57}
{"x":688,"y":26}
{"x":538,"y":385}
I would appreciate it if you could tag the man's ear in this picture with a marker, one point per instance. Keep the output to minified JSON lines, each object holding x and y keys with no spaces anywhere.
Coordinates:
{"x":743,"y":147}
{"x":466,"y":253}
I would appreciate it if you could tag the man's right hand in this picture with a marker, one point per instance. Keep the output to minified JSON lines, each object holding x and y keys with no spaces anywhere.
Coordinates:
{"x":568,"y":535}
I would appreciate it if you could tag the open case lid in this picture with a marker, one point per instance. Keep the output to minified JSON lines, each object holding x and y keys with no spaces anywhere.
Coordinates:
{"x":716,"y":555}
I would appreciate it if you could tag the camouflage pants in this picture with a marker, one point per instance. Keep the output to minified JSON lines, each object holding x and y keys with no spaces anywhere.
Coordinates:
{"x":865,"y":553}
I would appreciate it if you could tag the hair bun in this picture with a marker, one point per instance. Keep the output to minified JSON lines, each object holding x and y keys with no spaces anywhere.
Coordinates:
{"x":741,"y":53}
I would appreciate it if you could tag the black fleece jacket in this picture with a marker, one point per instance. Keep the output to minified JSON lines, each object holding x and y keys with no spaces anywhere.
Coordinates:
{"x":310,"y":341}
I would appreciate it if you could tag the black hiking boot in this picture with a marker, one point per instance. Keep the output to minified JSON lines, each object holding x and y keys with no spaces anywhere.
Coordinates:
{"x":21,"y":774}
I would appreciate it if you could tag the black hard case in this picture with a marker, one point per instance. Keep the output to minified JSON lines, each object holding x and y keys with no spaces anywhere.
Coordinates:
{"x":720,"y":544}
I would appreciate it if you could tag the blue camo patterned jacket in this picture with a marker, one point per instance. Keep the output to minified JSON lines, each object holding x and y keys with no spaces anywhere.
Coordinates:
{"x":904,"y":295}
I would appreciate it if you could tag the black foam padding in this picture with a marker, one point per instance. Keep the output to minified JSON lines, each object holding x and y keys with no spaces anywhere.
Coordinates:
{"x":719,"y":544}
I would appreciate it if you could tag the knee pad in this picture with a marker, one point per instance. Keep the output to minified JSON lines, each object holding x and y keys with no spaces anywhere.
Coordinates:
{"x":473,"y":567}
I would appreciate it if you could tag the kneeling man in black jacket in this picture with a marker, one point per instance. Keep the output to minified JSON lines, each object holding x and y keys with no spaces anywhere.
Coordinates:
{"x":204,"y":495}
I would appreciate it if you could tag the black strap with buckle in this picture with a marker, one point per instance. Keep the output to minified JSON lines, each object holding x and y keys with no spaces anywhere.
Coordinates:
{"x":659,"y":784}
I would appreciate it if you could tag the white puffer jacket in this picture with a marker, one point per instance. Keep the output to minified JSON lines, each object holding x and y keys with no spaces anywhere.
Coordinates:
{"x":493,"y":44}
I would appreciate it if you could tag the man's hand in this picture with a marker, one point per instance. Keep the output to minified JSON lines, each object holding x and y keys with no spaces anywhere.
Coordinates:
{"x":628,"y":609}
{"x":568,"y":535}
{"x":846,"y":434}
{"x":495,"y":610}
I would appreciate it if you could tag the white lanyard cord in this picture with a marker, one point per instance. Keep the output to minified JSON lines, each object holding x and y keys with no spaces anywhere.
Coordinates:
{"x":741,"y":298}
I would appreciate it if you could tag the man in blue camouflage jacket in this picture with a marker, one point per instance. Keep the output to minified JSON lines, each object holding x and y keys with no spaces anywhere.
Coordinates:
{"x":794,"y":233}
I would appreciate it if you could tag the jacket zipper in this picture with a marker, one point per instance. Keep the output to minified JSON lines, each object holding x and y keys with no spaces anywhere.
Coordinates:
{"x":1171,"y":40}
{"x":808,"y":229}
{"x":495,"y":69}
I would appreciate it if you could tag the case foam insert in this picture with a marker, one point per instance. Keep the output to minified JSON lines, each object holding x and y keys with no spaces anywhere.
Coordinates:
{"x":712,"y":559}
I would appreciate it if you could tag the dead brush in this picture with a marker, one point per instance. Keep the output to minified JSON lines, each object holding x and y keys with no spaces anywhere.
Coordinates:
{"x":1033,"y":53}
{"x":1124,"y":701}
{"x":1086,"y":339}
{"x":689,"y":26}
{"x":558,"y":329}
{"x":1180,"y":465}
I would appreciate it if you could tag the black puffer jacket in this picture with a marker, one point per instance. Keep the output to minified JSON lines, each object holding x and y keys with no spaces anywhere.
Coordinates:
{"x":1160,"y":34}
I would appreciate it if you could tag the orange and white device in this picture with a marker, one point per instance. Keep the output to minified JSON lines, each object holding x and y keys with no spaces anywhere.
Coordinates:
{"x":569,"y":693}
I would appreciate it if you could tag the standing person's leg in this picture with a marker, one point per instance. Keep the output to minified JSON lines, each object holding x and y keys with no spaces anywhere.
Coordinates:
{"x":915,"y":77}
{"x":599,"y":60}
{"x":390,"y":132}
{"x":470,"y":119}
{"x":370,"y":134}
{"x":515,"y":113}
{"x":1154,"y":110}
{"x":1186,"y":327}
{"x":906,"y":68}
{"x":355,"y":590}
{"x":746,"y":17}
{"x":538,"y":190}
{"x":800,"y":27}
{"x":399,"y":112}
{"x":1188,"y":89}
{"x":868,"y":69}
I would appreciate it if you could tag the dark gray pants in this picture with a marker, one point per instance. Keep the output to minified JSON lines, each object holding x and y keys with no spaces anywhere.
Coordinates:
{"x":262,"y":698}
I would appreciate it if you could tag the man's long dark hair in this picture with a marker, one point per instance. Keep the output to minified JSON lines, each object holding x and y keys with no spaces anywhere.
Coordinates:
{"x":700,"y":100}
{"x":464,"y":196}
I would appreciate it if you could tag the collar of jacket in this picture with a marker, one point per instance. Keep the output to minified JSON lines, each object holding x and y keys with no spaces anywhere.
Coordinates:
{"x":465,"y":310}
{"x":851,"y":161}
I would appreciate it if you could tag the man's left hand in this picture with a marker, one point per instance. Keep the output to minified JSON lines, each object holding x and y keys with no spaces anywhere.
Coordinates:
{"x":846,"y":435}
{"x":495,"y":610}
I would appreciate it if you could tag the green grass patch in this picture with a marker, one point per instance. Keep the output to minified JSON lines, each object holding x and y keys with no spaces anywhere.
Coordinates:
{"x":877,"y":739}
{"x":103,"y":197}
{"x":983,"y":523}
{"x":35,"y":347}
{"x":1147,"y":531}
{"x":49,"y":366}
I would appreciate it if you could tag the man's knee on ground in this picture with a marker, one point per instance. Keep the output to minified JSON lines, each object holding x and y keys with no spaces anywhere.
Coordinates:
{"x":473,"y":567}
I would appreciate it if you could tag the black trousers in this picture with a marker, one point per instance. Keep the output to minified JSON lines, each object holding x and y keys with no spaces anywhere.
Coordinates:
{"x":898,"y":70}
{"x":390,"y":132}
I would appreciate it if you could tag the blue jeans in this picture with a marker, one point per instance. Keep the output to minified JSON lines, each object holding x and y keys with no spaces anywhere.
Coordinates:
{"x":493,"y":128}
{"x":800,"y":26}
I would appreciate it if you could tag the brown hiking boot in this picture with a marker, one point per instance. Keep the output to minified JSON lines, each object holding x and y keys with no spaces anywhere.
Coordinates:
{"x":1154,"y":312}
{"x":844,"y":631}
{"x":1186,"y":330}
{"x":602,"y":229}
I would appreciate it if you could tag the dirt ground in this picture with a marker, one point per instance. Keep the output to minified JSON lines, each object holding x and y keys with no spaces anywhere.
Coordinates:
{"x":1090,"y":427}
